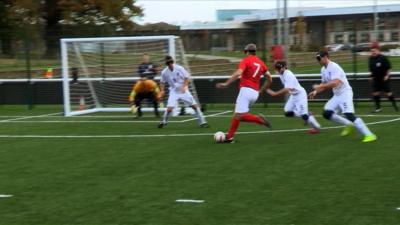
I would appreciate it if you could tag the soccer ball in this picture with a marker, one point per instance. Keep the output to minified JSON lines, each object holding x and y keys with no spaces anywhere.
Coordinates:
{"x":219,"y":137}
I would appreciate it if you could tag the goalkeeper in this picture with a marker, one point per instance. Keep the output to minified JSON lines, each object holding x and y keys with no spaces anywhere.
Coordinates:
{"x":144,"y":89}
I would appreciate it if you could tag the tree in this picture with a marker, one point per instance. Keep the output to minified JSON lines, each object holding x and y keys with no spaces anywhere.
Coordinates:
{"x":19,"y":17}
{"x":53,"y":15}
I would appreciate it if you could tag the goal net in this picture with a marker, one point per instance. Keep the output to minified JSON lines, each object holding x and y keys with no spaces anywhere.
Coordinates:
{"x":98,"y":73}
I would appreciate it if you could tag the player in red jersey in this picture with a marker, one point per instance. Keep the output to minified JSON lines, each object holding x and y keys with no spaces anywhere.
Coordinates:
{"x":249,"y":70}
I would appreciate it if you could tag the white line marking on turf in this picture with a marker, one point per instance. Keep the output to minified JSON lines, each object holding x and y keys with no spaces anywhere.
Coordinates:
{"x":6,"y":196}
{"x":88,"y":121}
{"x":29,"y":117}
{"x":179,"y":135}
{"x":18,"y":118}
{"x":212,"y":115}
{"x":189,"y":201}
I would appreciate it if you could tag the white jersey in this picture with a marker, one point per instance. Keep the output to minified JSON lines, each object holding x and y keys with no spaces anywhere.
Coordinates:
{"x":175,"y":78}
{"x":290,"y":81}
{"x":332,"y":72}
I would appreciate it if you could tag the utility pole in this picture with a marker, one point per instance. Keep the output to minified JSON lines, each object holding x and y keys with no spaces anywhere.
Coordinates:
{"x":376,"y":21}
{"x":278,"y":22}
{"x":286,"y":30}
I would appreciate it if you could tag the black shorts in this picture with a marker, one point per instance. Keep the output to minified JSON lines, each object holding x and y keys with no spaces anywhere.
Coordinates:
{"x":378,"y":86}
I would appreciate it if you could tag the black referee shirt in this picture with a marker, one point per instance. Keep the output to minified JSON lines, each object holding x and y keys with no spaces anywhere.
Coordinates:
{"x":378,"y":66}
{"x":147,"y":70}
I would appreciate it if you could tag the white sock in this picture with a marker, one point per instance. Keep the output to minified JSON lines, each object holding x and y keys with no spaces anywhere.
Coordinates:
{"x":199,"y":115}
{"x":313,"y":122}
{"x":165,"y":117}
{"x":361,"y":127}
{"x":341,"y":120}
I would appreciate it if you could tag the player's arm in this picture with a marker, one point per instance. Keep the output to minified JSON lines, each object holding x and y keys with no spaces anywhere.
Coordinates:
{"x":132,"y":97}
{"x":281,"y":92}
{"x":324,"y":86}
{"x":387,"y":75}
{"x":267,"y":83}
{"x":186,"y":77}
{"x":389,"y":66}
{"x":231,"y":79}
{"x":162,"y":85}
{"x":185,"y":85}
{"x":162,"y":89}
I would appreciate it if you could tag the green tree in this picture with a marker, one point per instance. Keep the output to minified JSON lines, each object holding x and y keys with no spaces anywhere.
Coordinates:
{"x":53,"y":15}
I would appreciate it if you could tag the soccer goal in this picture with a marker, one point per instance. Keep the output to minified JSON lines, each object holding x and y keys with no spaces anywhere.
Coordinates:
{"x":98,"y":73}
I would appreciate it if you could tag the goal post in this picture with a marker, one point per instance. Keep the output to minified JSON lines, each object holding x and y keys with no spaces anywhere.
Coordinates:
{"x":98,"y":73}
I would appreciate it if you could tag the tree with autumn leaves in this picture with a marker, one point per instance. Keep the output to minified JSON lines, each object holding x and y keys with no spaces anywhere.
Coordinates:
{"x":51,"y":18}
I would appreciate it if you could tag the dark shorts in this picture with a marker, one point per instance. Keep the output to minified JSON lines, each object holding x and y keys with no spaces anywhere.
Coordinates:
{"x":149,"y":95}
{"x":379,"y":86}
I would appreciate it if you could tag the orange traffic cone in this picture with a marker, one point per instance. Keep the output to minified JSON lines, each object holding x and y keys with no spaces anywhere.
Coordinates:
{"x":48,"y":73}
{"x":82,"y":104}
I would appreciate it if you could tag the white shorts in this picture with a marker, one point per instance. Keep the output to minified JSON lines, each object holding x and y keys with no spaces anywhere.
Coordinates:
{"x":186,"y":97}
{"x":342,"y":102}
{"x":246,"y":97}
{"x":297,"y":103}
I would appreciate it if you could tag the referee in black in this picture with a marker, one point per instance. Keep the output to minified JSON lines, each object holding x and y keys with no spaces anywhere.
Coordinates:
{"x":379,"y":66}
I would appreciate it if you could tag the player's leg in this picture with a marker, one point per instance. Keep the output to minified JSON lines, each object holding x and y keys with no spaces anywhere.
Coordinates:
{"x":155,"y":100}
{"x":290,"y":107}
{"x":199,"y":115}
{"x":301,"y":105}
{"x":188,"y":99}
{"x":389,"y":95}
{"x":347,"y":107}
{"x":376,"y":95}
{"x":172,"y":101}
{"x":246,"y":97}
{"x":330,"y":114}
{"x":138,"y":103}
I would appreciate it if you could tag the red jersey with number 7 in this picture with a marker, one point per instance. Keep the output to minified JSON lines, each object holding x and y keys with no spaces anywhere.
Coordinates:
{"x":252,"y":68}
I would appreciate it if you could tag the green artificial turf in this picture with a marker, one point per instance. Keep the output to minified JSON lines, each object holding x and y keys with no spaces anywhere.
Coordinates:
{"x":96,"y":170}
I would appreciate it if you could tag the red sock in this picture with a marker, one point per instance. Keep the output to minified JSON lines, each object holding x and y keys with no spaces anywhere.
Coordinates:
{"x":247,"y":117}
{"x":232,"y":129}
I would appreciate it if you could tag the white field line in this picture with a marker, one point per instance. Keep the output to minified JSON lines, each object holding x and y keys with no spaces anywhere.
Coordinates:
{"x":89,"y":121}
{"x":179,"y":135}
{"x":218,"y":115}
{"x":5,"y":196}
{"x":212,"y":115}
{"x":189,"y":201}
{"x":30,"y":117}
{"x":130,"y":116}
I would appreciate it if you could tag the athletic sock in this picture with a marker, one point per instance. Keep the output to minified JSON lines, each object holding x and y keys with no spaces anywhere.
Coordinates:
{"x":313,"y":122}
{"x":377,"y":100}
{"x":361,"y":127}
{"x":165,"y":117}
{"x":341,"y":120}
{"x":247,"y":117}
{"x":393,"y":100}
{"x":232,"y":129}
{"x":199,"y":115}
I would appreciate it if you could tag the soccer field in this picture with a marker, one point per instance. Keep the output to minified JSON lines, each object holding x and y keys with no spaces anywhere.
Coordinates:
{"x":112,"y":168}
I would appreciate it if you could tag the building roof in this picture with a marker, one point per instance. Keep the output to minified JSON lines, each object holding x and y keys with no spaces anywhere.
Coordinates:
{"x":223,"y":25}
{"x":240,"y":19}
{"x":309,"y":12}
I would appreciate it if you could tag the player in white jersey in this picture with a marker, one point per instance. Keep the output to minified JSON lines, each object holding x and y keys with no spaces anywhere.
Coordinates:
{"x":178,"y":80}
{"x":296,"y":104}
{"x":333,"y":77}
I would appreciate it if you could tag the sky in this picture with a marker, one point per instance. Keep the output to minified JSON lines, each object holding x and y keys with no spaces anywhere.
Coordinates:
{"x":184,"y":11}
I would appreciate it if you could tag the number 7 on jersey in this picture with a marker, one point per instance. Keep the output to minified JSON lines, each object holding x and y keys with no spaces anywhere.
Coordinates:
{"x":258,"y":66}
